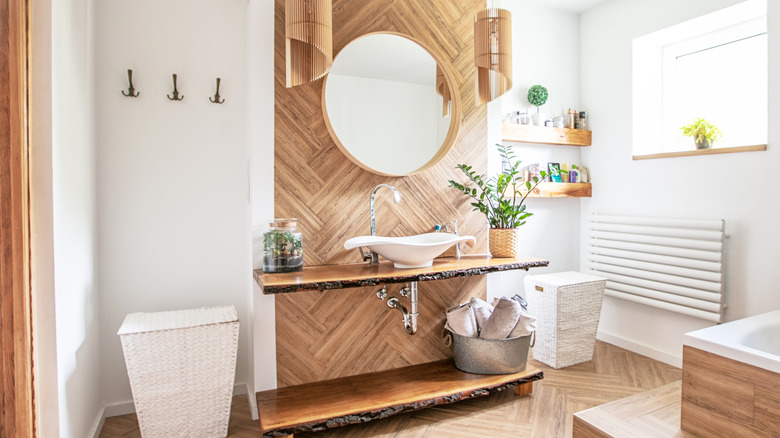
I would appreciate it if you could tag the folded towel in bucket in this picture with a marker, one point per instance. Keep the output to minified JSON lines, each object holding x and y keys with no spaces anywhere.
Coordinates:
{"x":503,"y":320}
{"x":482,"y":311}
{"x":526,"y":324}
{"x":461,"y":320}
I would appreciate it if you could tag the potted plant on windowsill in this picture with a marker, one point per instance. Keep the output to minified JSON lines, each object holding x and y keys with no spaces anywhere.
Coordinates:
{"x":703,"y":132}
{"x":497,"y":198}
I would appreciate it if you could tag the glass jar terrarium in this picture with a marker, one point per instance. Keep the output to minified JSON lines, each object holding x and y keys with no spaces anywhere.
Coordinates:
{"x":282,"y":247}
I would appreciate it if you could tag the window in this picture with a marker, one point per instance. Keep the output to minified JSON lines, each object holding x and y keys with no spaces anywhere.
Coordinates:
{"x":713,"y":67}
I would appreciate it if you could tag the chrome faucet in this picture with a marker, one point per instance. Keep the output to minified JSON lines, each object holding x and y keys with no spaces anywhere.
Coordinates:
{"x":397,"y":197}
{"x":447,"y":230}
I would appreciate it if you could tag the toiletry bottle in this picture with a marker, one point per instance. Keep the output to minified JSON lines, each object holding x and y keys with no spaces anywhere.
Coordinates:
{"x":583,"y":120}
{"x":554,"y":169}
{"x":574,"y":174}
{"x":570,"y":120}
{"x":576,"y":119}
{"x":564,"y":172}
{"x":583,"y":174}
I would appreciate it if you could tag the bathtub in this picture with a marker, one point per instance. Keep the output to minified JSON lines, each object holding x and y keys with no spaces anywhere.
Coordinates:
{"x":731,"y":379}
{"x":754,"y":340}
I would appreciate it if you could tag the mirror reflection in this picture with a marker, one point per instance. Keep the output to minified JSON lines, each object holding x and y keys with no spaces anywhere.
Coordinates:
{"x":385,"y":107}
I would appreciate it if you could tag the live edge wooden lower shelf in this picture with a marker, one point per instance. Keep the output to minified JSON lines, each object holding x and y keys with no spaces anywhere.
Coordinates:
{"x":359,"y":399}
{"x":362,"y":398}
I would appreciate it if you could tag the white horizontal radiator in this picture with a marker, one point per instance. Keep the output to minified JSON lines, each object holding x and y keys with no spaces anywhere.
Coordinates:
{"x":671,"y":264}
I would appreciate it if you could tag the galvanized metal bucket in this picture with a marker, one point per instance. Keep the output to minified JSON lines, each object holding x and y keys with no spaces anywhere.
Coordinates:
{"x":489,"y":356}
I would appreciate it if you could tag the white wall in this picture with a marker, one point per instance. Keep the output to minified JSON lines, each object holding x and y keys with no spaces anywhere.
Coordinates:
{"x":260,"y":109}
{"x":173,"y":191}
{"x":77,"y":302}
{"x":734,"y":187}
{"x":544,"y":51}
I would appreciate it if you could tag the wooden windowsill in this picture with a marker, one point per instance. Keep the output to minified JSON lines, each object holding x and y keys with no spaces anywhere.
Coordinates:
{"x":759,"y":147}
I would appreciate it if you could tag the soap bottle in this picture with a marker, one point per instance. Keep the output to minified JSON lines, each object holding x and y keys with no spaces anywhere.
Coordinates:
{"x":583,"y":121}
{"x":570,"y":120}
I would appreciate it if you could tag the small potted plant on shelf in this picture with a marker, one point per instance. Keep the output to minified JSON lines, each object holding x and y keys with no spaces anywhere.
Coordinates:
{"x":501,"y":200}
{"x":537,"y":96}
{"x":703,"y":132}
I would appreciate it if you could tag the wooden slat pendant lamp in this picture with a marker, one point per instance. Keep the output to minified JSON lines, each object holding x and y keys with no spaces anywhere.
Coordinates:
{"x":444,"y":91}
{"x":493,"y":53}
{"x":309,"y":40}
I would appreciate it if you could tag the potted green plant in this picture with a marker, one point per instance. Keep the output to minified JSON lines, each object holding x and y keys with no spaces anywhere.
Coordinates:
{"x":501,"y":200}
{"x":537,"y":96}
{"x":703,"y":132}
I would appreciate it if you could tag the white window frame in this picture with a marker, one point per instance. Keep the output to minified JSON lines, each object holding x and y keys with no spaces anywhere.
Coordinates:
{"x":653,"y":63}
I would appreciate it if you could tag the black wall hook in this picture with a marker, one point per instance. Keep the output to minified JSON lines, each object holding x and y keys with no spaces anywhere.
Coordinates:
{"x":215,"y":99}
{"x":130,"y":91}
{"x":175,"y":91}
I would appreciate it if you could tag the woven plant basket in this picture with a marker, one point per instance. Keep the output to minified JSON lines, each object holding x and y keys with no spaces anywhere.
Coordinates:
{"x":504,"y":242}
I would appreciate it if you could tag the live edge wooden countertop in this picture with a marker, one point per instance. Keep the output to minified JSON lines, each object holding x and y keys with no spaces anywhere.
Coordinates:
{"x":326,"y":277}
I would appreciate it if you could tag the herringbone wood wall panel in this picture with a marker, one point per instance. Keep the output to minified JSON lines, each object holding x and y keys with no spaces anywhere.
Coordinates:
{"x":346,"y":332}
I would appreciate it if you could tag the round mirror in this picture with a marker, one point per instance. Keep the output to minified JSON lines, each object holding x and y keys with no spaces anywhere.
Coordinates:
{"x":390,"y":106}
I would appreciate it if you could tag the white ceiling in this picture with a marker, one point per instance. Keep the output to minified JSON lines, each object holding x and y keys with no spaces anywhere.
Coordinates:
{"x":573,"y":6}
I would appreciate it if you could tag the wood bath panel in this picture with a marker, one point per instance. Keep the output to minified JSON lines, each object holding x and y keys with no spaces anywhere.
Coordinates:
{"x":724,"y":397}
{"x":324,"y":336}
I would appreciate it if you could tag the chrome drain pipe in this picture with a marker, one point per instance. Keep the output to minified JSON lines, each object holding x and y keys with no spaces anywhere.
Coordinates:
{"x":410,"y":318}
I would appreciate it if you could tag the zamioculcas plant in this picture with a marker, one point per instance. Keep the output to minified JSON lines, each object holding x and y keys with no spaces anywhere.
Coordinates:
{"x":500,"y":198}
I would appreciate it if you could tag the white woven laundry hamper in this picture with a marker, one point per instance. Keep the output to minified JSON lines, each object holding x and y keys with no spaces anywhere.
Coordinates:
{"x":567,"y":306}
{"x":182,"y":367}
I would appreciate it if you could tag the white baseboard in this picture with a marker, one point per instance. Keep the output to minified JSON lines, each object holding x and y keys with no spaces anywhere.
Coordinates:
{"x":97,"y":426}
{"x":127,"y":407}
{"x":644,"y":350}
{"x":252,"y":397}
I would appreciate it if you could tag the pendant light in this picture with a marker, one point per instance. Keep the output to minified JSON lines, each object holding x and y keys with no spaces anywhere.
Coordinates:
{"x":493,"y":53}
{"x":444,"y":91}
{"x":308,"y":35}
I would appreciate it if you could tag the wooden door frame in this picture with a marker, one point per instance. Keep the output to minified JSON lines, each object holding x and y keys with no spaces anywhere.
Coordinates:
{"x":17,"y":397}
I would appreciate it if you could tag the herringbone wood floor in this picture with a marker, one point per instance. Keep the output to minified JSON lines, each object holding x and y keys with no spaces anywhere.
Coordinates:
{"x":614,"y":373}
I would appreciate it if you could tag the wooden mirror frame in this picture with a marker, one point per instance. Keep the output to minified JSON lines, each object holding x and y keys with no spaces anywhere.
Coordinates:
{"x":17,"y":396}
{"x":456,"y":111}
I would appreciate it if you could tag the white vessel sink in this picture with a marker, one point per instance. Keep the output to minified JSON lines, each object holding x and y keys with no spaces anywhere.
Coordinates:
{"x":409,"y":251}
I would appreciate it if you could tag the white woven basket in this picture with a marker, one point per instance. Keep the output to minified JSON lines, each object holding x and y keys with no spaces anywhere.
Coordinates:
{"x":181,"y":366}
{"x":567,"y":306}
